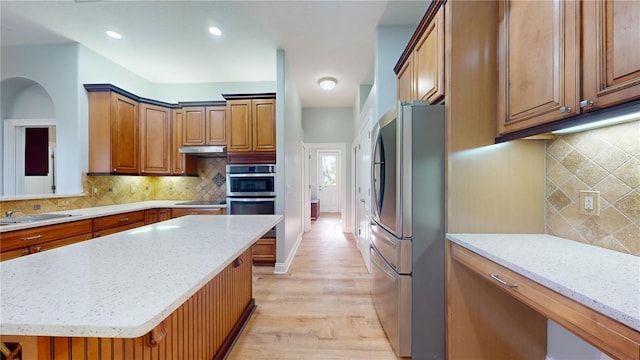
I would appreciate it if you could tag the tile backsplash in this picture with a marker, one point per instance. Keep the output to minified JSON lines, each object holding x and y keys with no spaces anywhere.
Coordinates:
{"x":605,"y":160}
{"x":210,"y":184}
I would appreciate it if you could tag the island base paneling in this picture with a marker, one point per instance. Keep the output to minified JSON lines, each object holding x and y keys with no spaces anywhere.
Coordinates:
{"x":204,"y":327}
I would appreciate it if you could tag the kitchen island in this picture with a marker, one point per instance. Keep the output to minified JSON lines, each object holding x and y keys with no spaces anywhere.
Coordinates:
{"x":181,"y":288}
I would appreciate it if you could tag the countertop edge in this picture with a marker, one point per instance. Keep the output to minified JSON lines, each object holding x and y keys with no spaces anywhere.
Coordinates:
{"x":624,"y":318}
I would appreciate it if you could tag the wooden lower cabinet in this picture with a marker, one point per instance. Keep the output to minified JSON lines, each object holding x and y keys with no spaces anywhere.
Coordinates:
{"x":178,"y":212}
{"x":107,"y":225}
{"x":153,"y":216}
{"x":503,"y":322}
{"x":202,"y":328}
{"x":28,"y":241}
{"x":264,"y":252}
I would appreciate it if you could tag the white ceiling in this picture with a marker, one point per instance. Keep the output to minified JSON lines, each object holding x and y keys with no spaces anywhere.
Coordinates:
{"x":169,"y":42}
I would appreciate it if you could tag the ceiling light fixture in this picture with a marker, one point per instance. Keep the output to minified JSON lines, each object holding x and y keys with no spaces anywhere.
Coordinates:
{"x":327,"y":83}
{"x":114,"y":35}
{"x":215,"y":31}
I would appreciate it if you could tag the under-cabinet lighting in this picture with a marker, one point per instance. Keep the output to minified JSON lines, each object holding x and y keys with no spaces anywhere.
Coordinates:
{"x":114,"y":35}
{"x":215,"y":31}
{"x":602,"y":123}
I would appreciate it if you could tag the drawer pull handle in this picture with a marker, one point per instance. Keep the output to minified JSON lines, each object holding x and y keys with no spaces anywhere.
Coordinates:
{"x":124,"y":219}
{"x":497,"y":278}
{"x":31,"y":237}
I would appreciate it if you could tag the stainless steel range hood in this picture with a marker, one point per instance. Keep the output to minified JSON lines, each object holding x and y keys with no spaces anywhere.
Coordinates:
{"x":204,"y":151}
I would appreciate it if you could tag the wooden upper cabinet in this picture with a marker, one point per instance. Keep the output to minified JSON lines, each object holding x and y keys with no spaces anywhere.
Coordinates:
{"x":194,"y":124}
{"x":538,"y":63}
{"x":252,"y":125}
{"x":155,"y":140}
{"x":181,"y":164}
{"x":113,"y":132}
{"x":124,"y":135}
{"x":611,"y":63}
{"x":239,"y":131}
{"x":405,"y":81}
{"x":216,"y":125}
{"x":420,"y":69}
{"x":263,"y":113}
{"x":428,"y":61}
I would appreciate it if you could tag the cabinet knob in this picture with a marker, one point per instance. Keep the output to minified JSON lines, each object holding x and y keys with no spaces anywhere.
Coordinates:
{"x":25,"y":252}
{"x":586,"y":103}
{"x":38,"y":248}
{"x":565,"y":109}
{"x":115,"y":169}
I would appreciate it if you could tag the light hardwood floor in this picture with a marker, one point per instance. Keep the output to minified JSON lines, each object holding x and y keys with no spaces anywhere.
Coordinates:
{"x":320,"y":309}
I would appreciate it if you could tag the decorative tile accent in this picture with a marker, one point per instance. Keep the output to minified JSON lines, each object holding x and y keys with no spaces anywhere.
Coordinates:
{"x":219,"y":179}
{"x":605,"y":160}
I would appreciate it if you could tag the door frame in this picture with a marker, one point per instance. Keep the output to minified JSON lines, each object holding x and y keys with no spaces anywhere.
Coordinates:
{"x":341,"y":148}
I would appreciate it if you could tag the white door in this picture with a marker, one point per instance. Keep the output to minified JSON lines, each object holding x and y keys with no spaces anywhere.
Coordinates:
{"x":363,"y":195}
{"x":328,"y":181}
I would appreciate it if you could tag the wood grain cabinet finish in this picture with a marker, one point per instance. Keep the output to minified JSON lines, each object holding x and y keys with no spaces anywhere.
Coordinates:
{"x":204,"y":327}
{"x":178,"y":212}
{"x":611,"y":54}
{"x":152,"y":216}
{"x":509,"y":321}
{"x":107,"y":225}
{"x":252,"y":125}
{"x":155,"y":140}
{"x":204,"y":125}
{"x":421,"y":68}
{"x":113,"y":134}
{"x":264,"y":252}
{"x":181,"y":164}
{"x":538,"y":63}
{"x":554,"y":64}
{"x":24,"y":242}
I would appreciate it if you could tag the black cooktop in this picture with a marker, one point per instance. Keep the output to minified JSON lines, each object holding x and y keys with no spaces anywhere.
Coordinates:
{"x":203,"y":202}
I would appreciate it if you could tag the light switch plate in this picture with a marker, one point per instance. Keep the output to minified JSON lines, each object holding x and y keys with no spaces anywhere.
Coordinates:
{"x":590,"y":203}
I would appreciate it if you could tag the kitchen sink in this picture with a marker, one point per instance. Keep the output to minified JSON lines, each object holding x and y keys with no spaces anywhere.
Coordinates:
{"x":31,"y":218}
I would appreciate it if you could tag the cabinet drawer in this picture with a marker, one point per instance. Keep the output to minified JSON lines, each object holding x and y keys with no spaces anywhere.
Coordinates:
{"x":264,"y":251}
{"x":58,"y":243}
{"x":34,"y":236}
{"x":111,"y":221}
{"x":118,"y":229}
{"x":177,"y":212}
{"x":608,"y":335}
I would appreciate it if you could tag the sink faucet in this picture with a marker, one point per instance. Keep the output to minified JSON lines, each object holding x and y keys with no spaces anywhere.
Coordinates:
{"x":9,"y":213}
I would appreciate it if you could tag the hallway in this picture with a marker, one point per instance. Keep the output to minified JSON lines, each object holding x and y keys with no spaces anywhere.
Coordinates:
{"x":320,"y":309}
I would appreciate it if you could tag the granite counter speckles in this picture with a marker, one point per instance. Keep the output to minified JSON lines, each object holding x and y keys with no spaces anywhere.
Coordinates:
{"x":604,"y":280}
{"x":121,"y":285}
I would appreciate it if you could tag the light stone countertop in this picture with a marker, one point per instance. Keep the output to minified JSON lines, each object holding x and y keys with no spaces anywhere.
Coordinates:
{"x":121,"y":285}
{"x":98,"y":211}
{"x":604,"y":280}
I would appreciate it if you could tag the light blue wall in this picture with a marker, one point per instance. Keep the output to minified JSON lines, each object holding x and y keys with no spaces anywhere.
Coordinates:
{"x":209,"y":91}
{"x":289,"y":162}
{"x":54,"y":67}
{"x":390,"y":43}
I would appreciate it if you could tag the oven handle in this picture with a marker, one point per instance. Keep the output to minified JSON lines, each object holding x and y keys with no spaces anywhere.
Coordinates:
{"x":252,"y":199}
{"x":252,"y":175}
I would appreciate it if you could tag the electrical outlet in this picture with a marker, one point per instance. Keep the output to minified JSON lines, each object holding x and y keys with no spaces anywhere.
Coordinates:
{"x":590,"y":203}
{"x":95,"y":189}
{"x":133,"y":189}
{"x":63,"y":202}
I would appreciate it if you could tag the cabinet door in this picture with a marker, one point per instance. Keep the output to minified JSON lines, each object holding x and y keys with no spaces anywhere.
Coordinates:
{"x":405,"y":81}
{"x":239,"y":131}
{"x":124,"y":135}
{"x":428,"y":58}
{"x":611,"y":63}
{"x":264,"y":124}
{"x":193,"y":126}
{"x":181,"y":163}
{"x":216,"y":125}
{"x":155,"y":140}
{"x":538,"y":63}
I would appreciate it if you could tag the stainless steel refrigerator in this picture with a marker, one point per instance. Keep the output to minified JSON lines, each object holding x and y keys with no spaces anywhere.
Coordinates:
{"x":407,"y":228}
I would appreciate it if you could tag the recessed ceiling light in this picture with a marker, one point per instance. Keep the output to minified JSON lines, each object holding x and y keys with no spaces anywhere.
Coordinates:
{"x":327,"y":83}
{"x":114,"y":35}
{"x":215,"y":31}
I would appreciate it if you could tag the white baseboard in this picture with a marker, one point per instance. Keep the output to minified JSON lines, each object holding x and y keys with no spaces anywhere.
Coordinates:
{"x":282,"y":268}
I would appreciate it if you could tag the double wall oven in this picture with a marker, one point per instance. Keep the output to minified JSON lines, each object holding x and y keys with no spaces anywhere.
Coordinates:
{"x":251,"y":189}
